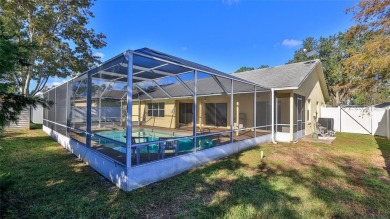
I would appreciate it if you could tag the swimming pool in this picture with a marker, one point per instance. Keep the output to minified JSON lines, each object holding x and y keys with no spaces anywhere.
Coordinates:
{"x":151,"y":135}
{"x":120,"y":135}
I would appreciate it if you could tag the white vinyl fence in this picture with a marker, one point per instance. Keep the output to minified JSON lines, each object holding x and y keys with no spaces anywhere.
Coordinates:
{"x":363,"y":120}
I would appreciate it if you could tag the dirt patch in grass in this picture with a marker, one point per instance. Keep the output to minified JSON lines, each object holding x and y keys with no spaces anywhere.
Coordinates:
{"x":297,"y":156}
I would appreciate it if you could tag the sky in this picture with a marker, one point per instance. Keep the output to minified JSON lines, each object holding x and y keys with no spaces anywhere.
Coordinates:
{"x":222,"y":34}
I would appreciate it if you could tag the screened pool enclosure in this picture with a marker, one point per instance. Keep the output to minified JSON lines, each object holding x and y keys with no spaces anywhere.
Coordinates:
{"x":147,"y":109}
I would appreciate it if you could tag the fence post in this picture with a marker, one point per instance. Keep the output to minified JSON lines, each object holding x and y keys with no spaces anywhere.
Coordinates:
{"x":340,"y":118}
{"x":371,"y":115}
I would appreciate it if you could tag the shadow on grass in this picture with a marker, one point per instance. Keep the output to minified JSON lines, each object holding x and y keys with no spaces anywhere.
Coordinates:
{"x":50,"y":182}
{"x":11,"y":134}
{"x":384,"y":147}
{"x":215,"y":190}
{"x":34,"y":126}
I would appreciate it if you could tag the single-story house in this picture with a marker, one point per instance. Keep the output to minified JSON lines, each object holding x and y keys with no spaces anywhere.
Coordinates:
{"x":144,"y":115}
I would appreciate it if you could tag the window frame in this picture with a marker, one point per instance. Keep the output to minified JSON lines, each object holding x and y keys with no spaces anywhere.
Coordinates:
{"x":156,"y":109}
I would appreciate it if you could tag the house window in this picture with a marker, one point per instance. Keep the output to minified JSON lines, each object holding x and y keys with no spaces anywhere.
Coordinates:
{"x":156,"y":109}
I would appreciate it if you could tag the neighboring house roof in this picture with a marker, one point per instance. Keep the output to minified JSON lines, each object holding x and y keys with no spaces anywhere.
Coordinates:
{"x":289,"y":76}
{"x":113,"y":94}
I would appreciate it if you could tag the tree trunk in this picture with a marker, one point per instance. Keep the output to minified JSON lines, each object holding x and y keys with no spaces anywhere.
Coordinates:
{"x":337,"y":98}
{"x":26,"y":85}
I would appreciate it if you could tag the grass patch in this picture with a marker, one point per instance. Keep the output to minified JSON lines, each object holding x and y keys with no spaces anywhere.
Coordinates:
{"x":349,"y":178}
{"x":34,"y":126}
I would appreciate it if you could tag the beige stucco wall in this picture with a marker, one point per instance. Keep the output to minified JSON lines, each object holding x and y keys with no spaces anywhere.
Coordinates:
{"x":95,"y":103}
{"x":311,"y":89}
{"x":168,"y":121}
{"x":243,"y":103}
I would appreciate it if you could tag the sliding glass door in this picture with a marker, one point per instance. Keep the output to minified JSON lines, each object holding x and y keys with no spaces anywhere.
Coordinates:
{"x":216,"y":114}
{"x":186,"y":113}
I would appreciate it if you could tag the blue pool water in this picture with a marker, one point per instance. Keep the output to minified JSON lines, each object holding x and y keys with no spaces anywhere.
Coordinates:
{"x":119,"y":135}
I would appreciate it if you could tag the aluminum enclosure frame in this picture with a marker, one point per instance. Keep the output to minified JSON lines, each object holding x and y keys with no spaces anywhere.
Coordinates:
{"x":132,"y":78}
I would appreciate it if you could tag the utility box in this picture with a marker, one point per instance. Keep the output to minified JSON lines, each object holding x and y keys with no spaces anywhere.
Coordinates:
{"x":327,"y":123}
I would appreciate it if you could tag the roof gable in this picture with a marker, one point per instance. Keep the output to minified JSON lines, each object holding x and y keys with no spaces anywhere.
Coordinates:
{"x":289,"y":76}
{"x":283,"y":76}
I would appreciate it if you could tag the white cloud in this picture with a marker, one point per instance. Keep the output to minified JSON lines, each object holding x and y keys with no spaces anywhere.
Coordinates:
{"x":184,"y":48}
{"x":230,"y":2}
{"x":100,"y":54}
{"x":291,"y":42}
{"x":55,"y":81}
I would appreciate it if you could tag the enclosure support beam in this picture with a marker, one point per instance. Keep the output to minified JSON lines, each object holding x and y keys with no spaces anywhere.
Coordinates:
{"x":237,"y":104}
{"x":89,"y":108}
{"x":276,"y":113}
{"x":184,"y":84}
{"x":231,"y":112}
{"x":55,"y":105}
{"x":100,"y":111}
{"x":100,"y":103}
{"x":254,"y":113}
{"x":388,"y":123}
{"x":112,"y":74}
{"x":188,"y":67}
{"x":143,"y":69}
{"x":121,"y":112}
{"x":139,"y":112}
{"x":122,"y":108}
{"x":194,"y":115}
{"x":143,"y":91}
{"x":155,"y":83}
{"x":292,"y":120}
{"x":220,"y":84}
{"x":273,"y":115}
{"x":67,"y":105}
{"x":129,"y":123}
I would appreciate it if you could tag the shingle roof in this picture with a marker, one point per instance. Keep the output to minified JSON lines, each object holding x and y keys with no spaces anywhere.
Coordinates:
{"x":206,"y":86}
{"x":283,"y":76}
{"x":177,"y":60}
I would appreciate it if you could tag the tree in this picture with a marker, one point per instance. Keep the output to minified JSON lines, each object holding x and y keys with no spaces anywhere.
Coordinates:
{"x":310,"y":44}
{"x":59,"y":43}
{"x":331,"y":52}
{"x":242,"y":69}
{"x":368,"y":61}
{"x":12,"y":104}
{"x":263,"y":66}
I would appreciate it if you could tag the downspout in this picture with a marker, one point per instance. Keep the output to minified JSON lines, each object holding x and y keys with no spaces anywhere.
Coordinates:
{"x":273,"y":116}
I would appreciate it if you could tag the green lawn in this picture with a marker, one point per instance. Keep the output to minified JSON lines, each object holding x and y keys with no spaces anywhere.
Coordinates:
{"x":349,"y":178}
